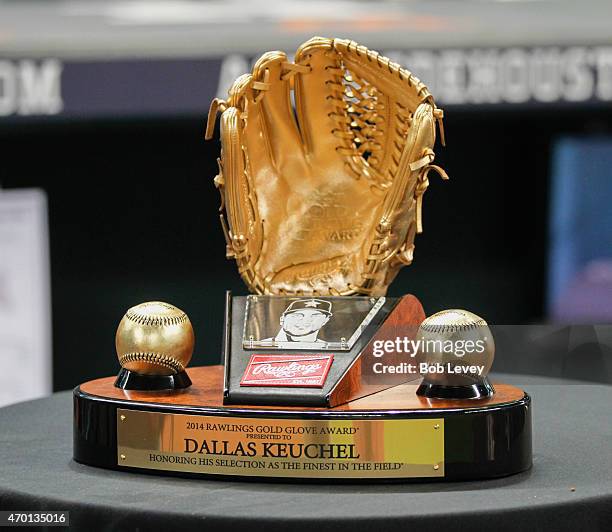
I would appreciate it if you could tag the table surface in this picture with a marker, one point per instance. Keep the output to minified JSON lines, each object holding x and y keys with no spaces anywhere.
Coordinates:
{"x":569,"y":487}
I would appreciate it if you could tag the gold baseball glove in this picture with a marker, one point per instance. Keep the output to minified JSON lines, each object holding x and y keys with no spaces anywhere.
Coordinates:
{"x":324,"y":197}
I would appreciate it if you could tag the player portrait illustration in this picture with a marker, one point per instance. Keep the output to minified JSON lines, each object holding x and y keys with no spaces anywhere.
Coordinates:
{"x":286,"y":323}
{"x":301,"y":322}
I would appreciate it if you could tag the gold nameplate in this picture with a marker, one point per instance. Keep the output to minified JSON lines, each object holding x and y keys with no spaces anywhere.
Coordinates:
{"x":268,"y":447}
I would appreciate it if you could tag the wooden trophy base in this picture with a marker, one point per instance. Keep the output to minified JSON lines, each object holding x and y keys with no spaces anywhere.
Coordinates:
{"x":390,"y":435}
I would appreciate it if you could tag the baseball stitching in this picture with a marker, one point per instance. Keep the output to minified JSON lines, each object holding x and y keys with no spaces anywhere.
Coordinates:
{"x":155,"y":320}
{"x":452,"y":327}
{"x":153,"y":358}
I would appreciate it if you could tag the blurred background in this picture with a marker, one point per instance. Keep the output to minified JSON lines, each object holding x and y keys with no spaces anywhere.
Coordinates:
{"x":106,"y":191}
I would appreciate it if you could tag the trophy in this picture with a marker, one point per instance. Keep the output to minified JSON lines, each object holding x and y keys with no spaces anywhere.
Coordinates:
{"x":324,"y":376}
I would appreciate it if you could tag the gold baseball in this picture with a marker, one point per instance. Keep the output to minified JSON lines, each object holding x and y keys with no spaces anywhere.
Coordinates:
{"x":444,"y":332}
{"x":154,"y":338}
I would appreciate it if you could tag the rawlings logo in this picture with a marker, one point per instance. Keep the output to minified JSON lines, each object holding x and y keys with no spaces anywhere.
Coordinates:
{"x":287,"y":370}
{"x":291,"y":370}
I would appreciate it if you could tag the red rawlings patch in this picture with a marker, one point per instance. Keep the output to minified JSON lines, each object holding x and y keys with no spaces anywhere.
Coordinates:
{"x":287,"y":370}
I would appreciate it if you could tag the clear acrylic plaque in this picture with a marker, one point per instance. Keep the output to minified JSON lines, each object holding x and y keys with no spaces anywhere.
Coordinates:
{"x":288,"y":323}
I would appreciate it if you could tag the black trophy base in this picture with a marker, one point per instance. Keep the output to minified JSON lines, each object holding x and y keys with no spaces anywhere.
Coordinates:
{"x":480,"y":390}
{"x":392,"y":435}
{"x":130,"y":380}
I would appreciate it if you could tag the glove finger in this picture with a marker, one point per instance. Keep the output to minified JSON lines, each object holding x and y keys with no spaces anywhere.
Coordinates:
{"x":271,"y":81}
{"x":398,"y":214}
{"x":252,"y":131}
{"x":315,"y":98}
{"x":244,"y":236}
{"x":233,"y":173}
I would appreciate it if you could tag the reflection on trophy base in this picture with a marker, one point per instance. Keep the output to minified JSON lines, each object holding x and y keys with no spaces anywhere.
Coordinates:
{"x":477,"y":390}
{"x":390,"y":435}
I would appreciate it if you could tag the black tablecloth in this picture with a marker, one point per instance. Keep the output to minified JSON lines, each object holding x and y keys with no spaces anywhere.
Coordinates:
{"x":569,"y":487}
